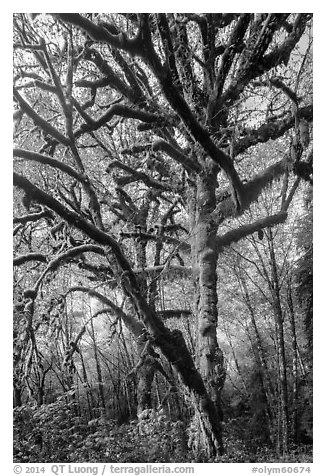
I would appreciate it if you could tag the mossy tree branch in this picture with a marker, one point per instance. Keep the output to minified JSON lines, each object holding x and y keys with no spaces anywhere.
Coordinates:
{"x":39,"y":121}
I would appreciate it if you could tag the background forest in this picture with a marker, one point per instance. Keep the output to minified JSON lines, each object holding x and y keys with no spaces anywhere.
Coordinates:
{"x":162,"y":237}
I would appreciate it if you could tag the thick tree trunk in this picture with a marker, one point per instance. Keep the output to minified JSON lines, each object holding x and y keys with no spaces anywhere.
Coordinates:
{"x":204,"y":255}
{"x":146,"y":371}
{"x":146,"y":375}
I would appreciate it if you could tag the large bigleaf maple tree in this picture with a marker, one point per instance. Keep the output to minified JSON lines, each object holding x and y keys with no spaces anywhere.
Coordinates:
{"x":134,"y":148}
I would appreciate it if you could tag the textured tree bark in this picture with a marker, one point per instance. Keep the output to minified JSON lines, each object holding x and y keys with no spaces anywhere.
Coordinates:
{"x":146,"y":371}
{"x":204,"y":255}
{"x":146,"y":375}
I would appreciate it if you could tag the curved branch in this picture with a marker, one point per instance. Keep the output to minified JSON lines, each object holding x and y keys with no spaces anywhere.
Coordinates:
{"x":122,"y":111}
{"x":45,"y":159}
{"x":277,"y":83}
{"x":29,"y":257}
{"x":135,"y":326}
{"x":56,"y":262}
{"x":71,"y":253}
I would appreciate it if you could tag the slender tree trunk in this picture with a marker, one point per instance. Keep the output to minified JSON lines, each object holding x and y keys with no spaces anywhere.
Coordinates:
{"x":98,"y":368}
{"x":266,"y":380}
{"x":294,"y":418}
{"x":236,"y":361}
{"x":280,"y":346}
{"x":282,"y":376}
{"x":89,"y":396}
{"x":40,"y":393}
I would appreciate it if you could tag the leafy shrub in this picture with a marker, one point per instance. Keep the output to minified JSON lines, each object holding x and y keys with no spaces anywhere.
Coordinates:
{"x":158,"y":440}
{"x":47,"y":432}
{"x":56,"y":433}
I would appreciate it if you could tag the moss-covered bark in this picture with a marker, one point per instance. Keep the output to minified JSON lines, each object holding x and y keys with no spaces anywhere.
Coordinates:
{"x":204,"y":255}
